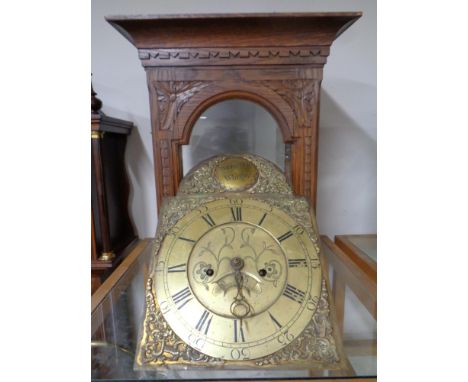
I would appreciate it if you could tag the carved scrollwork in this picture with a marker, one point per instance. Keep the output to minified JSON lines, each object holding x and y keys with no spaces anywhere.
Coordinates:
{"x":171,"y":96}
{"x":301,"y":95}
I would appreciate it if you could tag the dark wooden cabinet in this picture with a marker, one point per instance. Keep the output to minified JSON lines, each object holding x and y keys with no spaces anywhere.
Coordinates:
{"x":111,"y":228}
{"x":195,"y":61}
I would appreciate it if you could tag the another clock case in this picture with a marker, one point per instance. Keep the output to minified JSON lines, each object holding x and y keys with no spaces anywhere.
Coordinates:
{"x":318,"y":346}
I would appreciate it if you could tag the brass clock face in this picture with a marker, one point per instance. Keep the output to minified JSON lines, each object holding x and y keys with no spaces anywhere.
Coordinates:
{"x":237,"y":279}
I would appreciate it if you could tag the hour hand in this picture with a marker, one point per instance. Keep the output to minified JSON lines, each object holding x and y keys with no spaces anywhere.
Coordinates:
{"x":240,"y":308}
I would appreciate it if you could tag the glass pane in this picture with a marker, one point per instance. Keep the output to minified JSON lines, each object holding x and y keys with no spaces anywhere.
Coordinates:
{"x":234,"y":127}
{"x":366,"y":243}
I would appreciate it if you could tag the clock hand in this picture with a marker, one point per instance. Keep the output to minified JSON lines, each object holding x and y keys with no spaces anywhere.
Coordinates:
{"x":240,"y":307}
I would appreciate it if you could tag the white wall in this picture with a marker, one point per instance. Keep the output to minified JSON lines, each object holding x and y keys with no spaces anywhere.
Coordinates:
{"x":347,"y":147}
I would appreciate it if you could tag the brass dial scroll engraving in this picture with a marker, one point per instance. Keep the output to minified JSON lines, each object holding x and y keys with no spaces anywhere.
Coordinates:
{"x":235,"y":260}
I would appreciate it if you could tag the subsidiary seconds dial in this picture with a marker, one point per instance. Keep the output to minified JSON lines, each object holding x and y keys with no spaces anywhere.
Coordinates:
{"x":238,"y":279}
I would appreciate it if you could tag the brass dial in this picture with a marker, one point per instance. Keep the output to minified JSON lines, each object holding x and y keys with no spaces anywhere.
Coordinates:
{"x":238,"y":279}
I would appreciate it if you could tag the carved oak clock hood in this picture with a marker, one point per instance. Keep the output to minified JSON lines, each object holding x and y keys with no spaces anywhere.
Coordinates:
{"x":195,"y":61}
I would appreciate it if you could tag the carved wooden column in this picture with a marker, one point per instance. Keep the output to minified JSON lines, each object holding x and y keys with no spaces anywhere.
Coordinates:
{"x":195,"y":61}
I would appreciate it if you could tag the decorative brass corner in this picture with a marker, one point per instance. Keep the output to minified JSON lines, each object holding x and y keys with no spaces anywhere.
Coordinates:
{"x":159,"y":344}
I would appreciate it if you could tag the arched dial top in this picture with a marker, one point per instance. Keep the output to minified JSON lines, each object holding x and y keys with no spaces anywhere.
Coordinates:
{"x":238,"y":279}
{"x":239,"y":173}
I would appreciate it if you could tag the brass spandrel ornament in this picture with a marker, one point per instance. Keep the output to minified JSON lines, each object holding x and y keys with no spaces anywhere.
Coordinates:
{"x":236,"y":278}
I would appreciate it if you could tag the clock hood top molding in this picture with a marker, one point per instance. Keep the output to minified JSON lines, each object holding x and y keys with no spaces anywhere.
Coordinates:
{"x":227,"y":39}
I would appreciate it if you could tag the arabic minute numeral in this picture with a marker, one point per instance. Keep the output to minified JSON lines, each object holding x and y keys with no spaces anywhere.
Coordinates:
{"x":314,"y":263}
{"x":298,"y":230}
{"x":173,"y":231}
{"x":312,"y":302}
{"x":164,"y":306}
{"x":285,"y":337}
{"x":202,"y":210}
{"x":240,"y":353}
{"x":196,"y":342}
{"x":160,"y":266}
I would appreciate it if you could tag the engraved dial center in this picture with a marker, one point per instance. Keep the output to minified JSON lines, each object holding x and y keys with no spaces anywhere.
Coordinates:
{"x":237,"y":270}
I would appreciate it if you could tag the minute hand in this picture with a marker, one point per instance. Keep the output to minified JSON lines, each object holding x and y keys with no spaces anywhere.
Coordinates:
{"x":240,"y":308}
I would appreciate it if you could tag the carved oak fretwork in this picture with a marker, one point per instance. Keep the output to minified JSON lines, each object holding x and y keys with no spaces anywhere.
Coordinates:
{"x":171,"y":97}
{"x":307,"y":165}
{"x":230,"y":56}
{"x":301,"y":95}
{"x":164,"y":151}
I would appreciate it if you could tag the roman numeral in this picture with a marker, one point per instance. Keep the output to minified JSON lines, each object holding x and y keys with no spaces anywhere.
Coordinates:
{"x":284,"y":236}
{"x":204,"y":319}
{"x":236,"y":213}
{"x":182,"y":297}
{"x":262,"y":219}
{"x":177,"y":268}
{"x":209,"y":220}
{"x":297,"y":263}
{"x":185,"y":239}
{"x":294,"y":293}
{"x":238,"y":332}
{"x":275,"y":321}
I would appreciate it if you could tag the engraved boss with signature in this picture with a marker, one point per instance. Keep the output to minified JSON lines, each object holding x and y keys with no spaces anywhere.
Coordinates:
{"x":238,"y":279}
